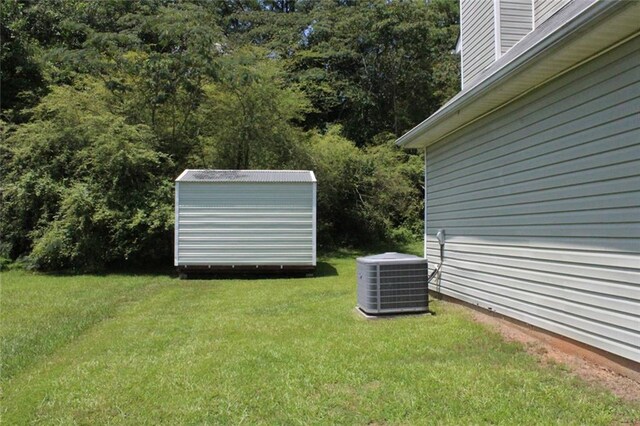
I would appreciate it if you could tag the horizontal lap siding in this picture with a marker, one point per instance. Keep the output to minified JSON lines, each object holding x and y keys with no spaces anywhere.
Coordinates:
{"x":516,"y":21}
{"x":478,"y":36}
{"x":543,"y":9}
{"x":245,"y":224}
{"x":541,"y":206}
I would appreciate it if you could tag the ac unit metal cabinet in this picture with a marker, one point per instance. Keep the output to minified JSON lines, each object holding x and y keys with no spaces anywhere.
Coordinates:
{"x":392,"y":283}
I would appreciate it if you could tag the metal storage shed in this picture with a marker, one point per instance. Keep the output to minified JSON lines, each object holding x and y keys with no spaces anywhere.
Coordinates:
{"x":245,"y":220}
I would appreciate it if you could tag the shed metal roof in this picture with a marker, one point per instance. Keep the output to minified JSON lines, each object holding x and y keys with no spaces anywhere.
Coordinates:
{"x":580,"y":30}
{"x":255,"y":176}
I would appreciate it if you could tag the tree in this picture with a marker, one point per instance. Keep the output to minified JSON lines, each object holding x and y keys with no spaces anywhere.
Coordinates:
{"x":370,"y":66}
{"x":247,"y":120}
{"x":365,"y":196}
{"x":82,"y":188}
{"x":105,"y":102}
{"x":21,"y":80}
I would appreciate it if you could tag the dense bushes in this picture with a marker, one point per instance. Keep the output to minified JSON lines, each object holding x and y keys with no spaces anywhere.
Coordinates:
{"x":365,"y":194}
{"x":84,"y":189}
{"x":125,"y":97}
{"x":81,"y":187}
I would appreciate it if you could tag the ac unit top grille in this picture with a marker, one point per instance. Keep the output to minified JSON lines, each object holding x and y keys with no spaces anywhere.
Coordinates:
{"x":392,"y":258}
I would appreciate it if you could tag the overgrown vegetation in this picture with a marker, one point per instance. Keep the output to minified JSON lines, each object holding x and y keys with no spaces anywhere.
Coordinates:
{"x":140,"y":349}
{"x":105,"y":102}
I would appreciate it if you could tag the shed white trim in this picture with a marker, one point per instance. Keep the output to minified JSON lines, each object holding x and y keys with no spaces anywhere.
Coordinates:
{"x":315,"y":220}
{"x":176,"y":227}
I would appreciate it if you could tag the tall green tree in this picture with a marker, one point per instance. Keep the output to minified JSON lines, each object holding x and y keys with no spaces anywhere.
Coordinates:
{"x":81,"y":187}
{"x":249,"y":116}
{"x":21,"y":79}
{"x":370,"y":66}
{"x":365,"y":195}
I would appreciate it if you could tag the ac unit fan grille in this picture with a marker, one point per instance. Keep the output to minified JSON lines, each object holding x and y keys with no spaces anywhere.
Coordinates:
{"x":392,"y":287}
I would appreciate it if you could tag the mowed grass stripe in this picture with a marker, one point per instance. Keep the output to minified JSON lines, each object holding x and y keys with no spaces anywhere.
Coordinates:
{"x":40,"y":314}
{"x":292,"y":351}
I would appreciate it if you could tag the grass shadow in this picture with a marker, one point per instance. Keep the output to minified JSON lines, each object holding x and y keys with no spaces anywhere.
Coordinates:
{"x":323,"y":269}
{"x":126,"y":270}
{"x":414,"y":247}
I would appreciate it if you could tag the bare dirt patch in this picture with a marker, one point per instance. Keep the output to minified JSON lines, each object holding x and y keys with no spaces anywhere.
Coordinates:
{"x":550,"y":349}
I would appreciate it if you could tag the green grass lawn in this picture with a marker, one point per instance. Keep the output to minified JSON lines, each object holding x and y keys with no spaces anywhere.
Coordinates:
{"x":153,"y":349}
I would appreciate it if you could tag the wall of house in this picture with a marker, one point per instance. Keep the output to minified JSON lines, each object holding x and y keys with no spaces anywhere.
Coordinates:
{"x":543,"y":9}
{"x":245,"y":223}
{"x":516,"y":21}
{"x":477,"y":26}
{"x":489,"y":28}
{"x":540,"y":202}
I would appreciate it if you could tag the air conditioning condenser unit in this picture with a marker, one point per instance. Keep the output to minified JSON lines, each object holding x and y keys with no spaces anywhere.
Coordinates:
{"x":392,"y":283}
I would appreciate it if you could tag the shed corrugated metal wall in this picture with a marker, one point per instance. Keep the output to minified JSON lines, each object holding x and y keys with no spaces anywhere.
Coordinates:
{"x":243,"y":223}
{"x":477,"y":36}
{"x":540,"y":201}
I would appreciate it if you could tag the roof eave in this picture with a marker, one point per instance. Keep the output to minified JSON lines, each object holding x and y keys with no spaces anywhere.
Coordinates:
{"x":564,"y":48}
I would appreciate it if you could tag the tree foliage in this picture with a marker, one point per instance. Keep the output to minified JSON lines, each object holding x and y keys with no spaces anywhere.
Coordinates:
{"x":104,"y":103}
{"x":370,"y":66}
{"x":365,"y":194}
{"x":82,"y":187}
{"x":21,"y":79}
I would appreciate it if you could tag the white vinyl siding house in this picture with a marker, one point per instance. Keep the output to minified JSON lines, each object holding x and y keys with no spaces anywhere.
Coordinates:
{"x":477,"y":26}
{"x":544,"y":9}
{"x":489,"y":28}
{"x":541,"y":205}
{"x":245,"y":218}
{"x":515,"y":22}
{"x":534,"y":174}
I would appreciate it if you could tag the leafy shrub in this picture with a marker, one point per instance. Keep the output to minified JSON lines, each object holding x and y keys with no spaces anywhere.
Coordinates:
{"x":83,"y":188}
{"x":364,"y":195}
